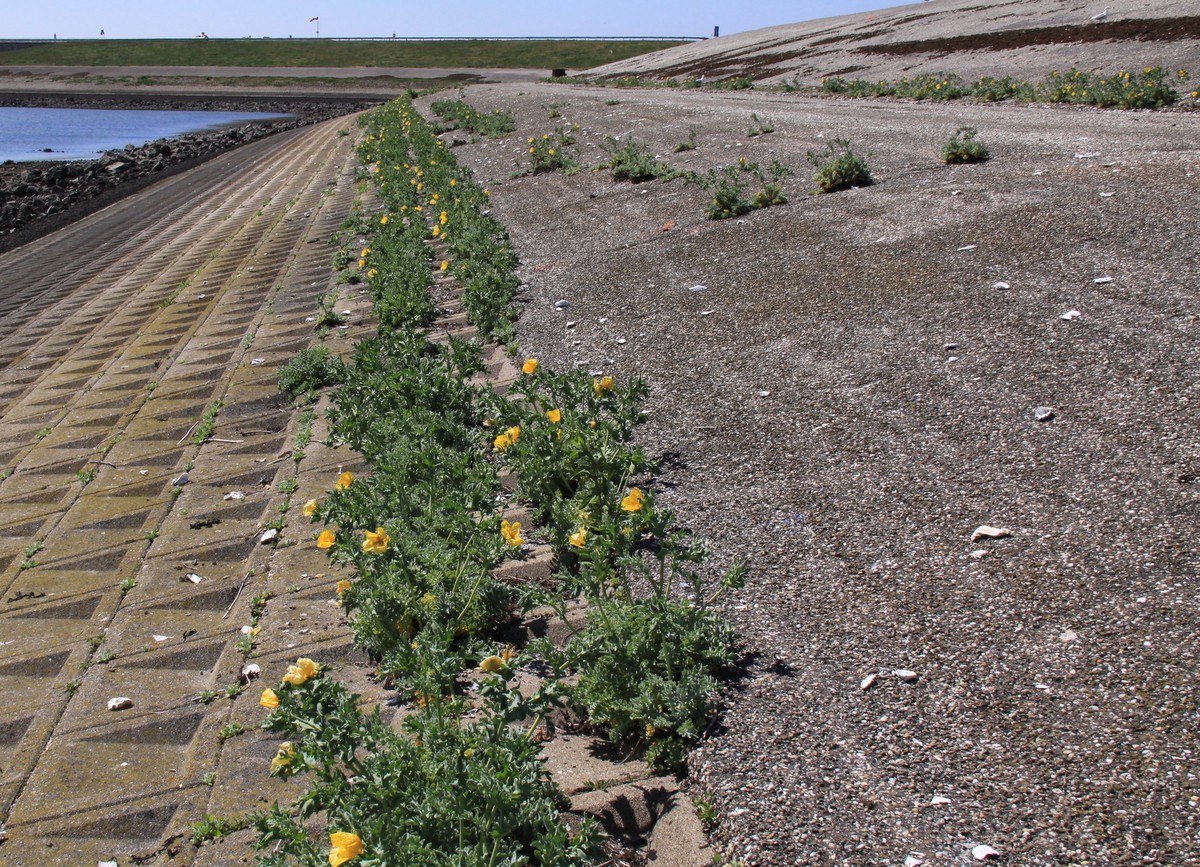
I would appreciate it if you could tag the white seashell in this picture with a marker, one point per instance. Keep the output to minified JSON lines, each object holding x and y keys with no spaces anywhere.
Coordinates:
{"x":988,"y":532}
{"x":1001,"y":285}
{"x":983,"y":852}
{"x":120,"y":703}
{"x":867,"y":682}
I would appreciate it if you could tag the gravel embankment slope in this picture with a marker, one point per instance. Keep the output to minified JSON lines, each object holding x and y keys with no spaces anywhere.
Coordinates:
{"x":849,"y":398}
{"x":1019,"y":38}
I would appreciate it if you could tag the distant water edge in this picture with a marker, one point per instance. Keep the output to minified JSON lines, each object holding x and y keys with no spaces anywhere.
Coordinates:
{"x":37,"y":134}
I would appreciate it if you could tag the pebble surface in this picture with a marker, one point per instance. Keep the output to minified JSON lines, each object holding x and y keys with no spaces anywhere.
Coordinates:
{"x":1056,"y":700}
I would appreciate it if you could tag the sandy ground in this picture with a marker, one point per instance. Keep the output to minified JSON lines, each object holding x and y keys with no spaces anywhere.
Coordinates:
{"x":844,"y":390}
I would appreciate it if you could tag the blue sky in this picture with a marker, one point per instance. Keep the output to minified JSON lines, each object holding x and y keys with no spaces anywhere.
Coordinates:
{"x":133,"y":19}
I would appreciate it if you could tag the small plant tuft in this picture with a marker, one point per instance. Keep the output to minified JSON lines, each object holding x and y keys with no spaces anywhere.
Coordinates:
{"x":839,"y":168}
{"x":964,"y":148}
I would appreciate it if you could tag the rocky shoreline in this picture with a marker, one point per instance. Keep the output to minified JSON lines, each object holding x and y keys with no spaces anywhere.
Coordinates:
{"x":40,"y":197}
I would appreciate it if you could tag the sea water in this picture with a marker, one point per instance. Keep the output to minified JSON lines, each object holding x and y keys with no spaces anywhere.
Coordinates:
{"x":28,"y":134}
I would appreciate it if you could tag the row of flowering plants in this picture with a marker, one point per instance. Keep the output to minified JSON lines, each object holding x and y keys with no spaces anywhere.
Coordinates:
{"x":459,"y":780}
{"x":1151,"y":87}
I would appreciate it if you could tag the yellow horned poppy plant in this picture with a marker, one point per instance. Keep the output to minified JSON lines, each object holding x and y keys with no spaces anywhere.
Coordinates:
{"x":342,"y":586}
{"x":301,"y":671}
{"x":310,"y":508}
{"x":377,"y":542}
{"x":579,"y":538}
{"x":530,"y":366}
{"x":512,"y":533}
{"x":492,"y":664}
{"x":326,"y":539}
{"x":632,"y":502}
{"x":284,"y":757}
{"x":269,"y":699}
{"x":345,"y":847}
{"x":344,"y":481}
{"x":554,"y":415}
{"x":602,"y":385}
{"x":508,"y":438}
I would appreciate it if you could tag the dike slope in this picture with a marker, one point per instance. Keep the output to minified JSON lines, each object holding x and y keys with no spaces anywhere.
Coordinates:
{"x":1020,"y":38}
{"x":843,"y":394}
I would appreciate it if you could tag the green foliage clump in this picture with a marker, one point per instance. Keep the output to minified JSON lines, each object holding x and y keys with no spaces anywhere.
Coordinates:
{"x":549,"y":153}
{"x":1150,"y":87}
{"x":462,"y":114}
{"x":688,"y":144}
{"x":631,"y":160}
{"x":839,"y":168}
{"x":443,"y":790}
{"x":964,"y":148}
{"x":575,"y":457}
{"x":728,"y":186}
{"x":736,"y":82}
{"x":758,"y":126}
{"x":312,"y":369}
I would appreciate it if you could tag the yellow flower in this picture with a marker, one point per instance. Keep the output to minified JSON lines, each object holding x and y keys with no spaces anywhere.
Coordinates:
{"x":443,"y":218}
{"x":377,"y":542}
{"x":508,"y":438}
{"x":344,"y":481}
{"x":530,"y":366}
{"x":512,"y":533}
{"x":301,"y":671}
{"x":492,"y":664}
{"x":632,"y":502}
{"x":551,"y":151}
{"x":346,"y":847}
{"x":579,"y":538}
{"x":437,"y":230}
{"x":602,"y":385}
{"x":342,"y":586}
{"x":554,"y":415}
{"x":366,"y":251}
{"x":445,"y":266}
{"x":269,"y":699}
{"x":383,"y":221}
{"x":362,"y":263}
{"x":326,"y":539}
{"x":454,"y":183}
{"x":284,"y":757}
{"x":487,"y":193}
{"x":310,"y":508}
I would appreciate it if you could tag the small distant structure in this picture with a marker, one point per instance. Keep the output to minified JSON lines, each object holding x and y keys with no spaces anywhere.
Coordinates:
{"x":1100,"y":17}
{"x":201,"y":35}
{"x":716,"y":30}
